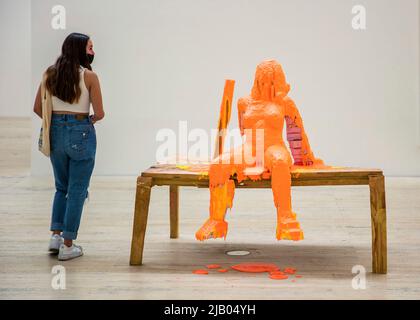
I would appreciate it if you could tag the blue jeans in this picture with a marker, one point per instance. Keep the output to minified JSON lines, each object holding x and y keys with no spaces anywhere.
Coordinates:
{"x":73,"y":150}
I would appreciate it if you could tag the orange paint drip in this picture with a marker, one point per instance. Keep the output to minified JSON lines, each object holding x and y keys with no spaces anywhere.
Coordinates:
{"x":276,"y":272}
{"x":223,"y":270}
{"x":290,"y":270}
{"x":200,"y":271}
{"x":278,"y":276}
{"x":255,"y":267}
{"x":267,"y":108}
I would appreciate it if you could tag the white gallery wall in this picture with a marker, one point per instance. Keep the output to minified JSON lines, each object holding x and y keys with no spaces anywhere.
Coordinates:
{"x":15,"y":58}
{"x":163,"y":61}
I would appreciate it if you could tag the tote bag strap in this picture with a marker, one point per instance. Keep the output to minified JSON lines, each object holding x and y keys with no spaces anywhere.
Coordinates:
{"x":46,"y":117}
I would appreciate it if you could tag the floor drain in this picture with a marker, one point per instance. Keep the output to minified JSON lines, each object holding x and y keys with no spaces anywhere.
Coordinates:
{"x":238,"y":253}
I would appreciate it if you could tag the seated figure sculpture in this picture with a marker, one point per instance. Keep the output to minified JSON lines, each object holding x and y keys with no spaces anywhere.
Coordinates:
{"x":266,"y":108}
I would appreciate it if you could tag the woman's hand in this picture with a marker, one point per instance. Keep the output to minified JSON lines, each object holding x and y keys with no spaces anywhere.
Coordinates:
{"x":92,"y":118}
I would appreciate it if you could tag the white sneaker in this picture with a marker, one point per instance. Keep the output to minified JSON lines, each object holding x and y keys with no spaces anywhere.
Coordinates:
{"x":55,"y":243}
{"x":67,"y":253}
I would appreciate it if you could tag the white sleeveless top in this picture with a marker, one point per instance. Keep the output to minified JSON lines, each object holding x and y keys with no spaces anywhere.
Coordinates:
{"x":82,"y":106}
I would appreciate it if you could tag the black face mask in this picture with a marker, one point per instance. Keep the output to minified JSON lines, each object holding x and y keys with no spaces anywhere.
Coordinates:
{"x":90,"y":57}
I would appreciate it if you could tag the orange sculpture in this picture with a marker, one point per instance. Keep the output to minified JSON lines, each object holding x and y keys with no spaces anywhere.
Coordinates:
{"x":265,"y":110}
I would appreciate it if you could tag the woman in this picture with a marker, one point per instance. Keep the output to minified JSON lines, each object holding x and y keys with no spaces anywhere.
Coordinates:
{"x":73,"y":86}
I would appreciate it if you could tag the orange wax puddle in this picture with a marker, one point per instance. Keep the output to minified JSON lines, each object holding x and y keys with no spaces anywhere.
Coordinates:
{"x":268,"y":107}
{"x":255,"y":267}
{"x":272,"y":269}
{"x":290,"y":270}
{"x":278,"y":276}
{"x":200,"y":271}
{"x":223,"y":270}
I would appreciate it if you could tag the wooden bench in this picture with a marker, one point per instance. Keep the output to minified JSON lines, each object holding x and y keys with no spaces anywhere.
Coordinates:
{"x":170,"y":175}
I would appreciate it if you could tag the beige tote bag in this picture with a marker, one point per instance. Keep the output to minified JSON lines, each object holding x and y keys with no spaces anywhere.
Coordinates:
{"x":44,"y":134}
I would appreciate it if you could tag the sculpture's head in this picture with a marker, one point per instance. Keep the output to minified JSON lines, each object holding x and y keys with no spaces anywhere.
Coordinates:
{"x":270,"y":82}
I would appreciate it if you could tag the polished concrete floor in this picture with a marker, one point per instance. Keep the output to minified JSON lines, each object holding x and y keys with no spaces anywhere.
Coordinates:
{"x":336,"y":221}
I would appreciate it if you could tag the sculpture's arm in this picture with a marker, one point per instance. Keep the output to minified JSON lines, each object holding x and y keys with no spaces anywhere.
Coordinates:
{"x":296,"y":136}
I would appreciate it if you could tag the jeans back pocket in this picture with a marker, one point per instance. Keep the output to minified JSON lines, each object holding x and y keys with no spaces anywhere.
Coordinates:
{"x":82,"y":142}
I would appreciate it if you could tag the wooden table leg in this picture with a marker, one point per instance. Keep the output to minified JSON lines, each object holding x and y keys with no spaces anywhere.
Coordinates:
{"x":174,"y":211}
{"x":378,"y":218}
{"x":141,"y":210}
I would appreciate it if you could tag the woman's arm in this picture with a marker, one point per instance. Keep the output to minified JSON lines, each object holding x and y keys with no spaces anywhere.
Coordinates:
{"x":38,"y":103}
{"x":92,"y":83}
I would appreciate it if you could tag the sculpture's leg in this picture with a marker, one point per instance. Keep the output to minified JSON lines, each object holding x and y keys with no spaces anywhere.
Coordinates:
{"x":378,"y":218}
{"x":141,"y":210}
{"x":278,"y":161}
{"x":221,"y":199}
{"x":222,"y":190}
{"x":287,"y":225}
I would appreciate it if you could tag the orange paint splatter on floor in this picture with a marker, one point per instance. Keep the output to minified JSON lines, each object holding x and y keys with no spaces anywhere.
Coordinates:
{"x":278,"y":276}
{"x":290,"y":270}
{"x":223,"y":270}
{"x":200,"y":271}
{"x":255,"y":267}
{"x":261,"y":156}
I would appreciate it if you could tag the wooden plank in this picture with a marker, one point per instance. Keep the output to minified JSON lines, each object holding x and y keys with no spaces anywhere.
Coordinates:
{"x":172,"y":168}
{"x":378,"y":218}
{"x":172,"y":172}
{"x":263,"y":183}
{"x":141,"y":211}
{"x":171,"y":175}
{"x":174,"y":211}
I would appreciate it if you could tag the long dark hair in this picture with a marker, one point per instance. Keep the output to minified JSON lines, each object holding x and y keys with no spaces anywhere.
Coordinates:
{"x":63,"y":76}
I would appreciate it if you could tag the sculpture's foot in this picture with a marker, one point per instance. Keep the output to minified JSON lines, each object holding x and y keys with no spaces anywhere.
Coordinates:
{"x":212,"y":229}
{"x":289,"y":229}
